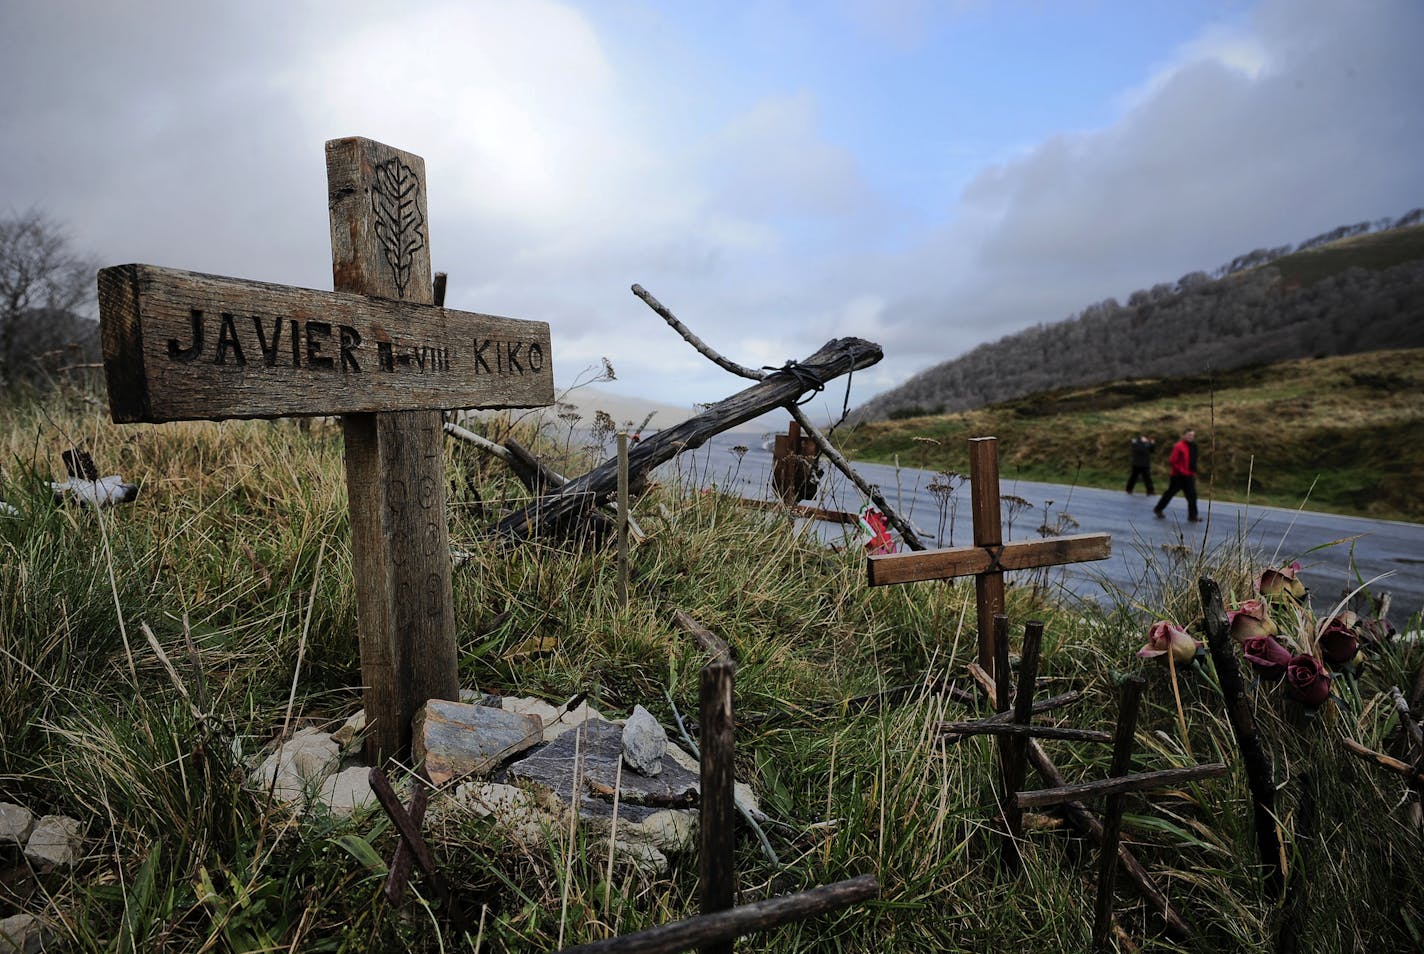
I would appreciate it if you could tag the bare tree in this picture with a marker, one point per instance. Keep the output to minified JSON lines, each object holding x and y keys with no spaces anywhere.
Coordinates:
{"x":43,"y":286}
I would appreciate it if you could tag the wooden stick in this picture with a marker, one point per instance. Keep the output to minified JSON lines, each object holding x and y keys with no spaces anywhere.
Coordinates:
{"x":1112,"y":814}
{"x":716,"y":814}
{"x":987,"y":727}
{"x":723,"y":927}
{"x":623,"y":519}
{"x":687,"y":335}
{"x":1017,"y":749}
{"x":399,"y":875}
{"x":801,"y":510}
{"x":984,"y":497}
{"x":1394,"y":765}
{"x":1000,"y":718}
{"x":1086,"y":823}
{"x":1248,"y":740}
{"x":704,"y":637}
{"x":1006,"y":745}
{"x":1137,"y":782}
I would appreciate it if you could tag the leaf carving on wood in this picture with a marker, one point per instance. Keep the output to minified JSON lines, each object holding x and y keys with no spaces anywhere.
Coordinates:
{"x":395,"y":194}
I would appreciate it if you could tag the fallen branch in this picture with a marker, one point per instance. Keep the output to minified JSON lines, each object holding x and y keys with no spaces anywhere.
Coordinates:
{"x":1389,"y":762}
{"x":834,"y":456}
{"x":835,"y":358}
{"x":1136,"y":782}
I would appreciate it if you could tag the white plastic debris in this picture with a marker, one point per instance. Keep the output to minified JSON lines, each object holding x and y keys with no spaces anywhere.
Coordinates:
{"x":105,"y":491}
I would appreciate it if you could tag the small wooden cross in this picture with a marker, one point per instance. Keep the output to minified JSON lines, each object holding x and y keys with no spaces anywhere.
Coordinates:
{"x":989,"y":557}
{"x":181,"y":346}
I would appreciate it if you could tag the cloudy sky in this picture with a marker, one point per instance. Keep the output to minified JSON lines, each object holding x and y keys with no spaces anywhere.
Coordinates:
{"x":927,"y":175}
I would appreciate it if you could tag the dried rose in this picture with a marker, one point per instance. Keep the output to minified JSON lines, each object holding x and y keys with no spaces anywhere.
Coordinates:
{"x":1375,"y":632}
{"x":1274,"y":582}
{"x":1269,"y":657}
{"x":1165,"y":637}
{"x":1338,"y":640}
{"x":1307,"y":680}
{"x":1251,"y":618}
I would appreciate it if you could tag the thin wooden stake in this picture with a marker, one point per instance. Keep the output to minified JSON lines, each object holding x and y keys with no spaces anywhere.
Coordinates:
{"x":717,"y":818}
{"x":1112,"y":816}
{"x":988,"y":532}
{"x":1243,"y":726}
{"x":1017,"y":749}
{"x":623,"y":519}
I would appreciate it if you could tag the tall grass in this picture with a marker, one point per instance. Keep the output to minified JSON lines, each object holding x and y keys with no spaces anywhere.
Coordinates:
{"x":221,"y":551}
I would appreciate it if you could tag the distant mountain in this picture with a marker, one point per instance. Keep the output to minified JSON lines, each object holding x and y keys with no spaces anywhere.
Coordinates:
{"x":1355,"y":288}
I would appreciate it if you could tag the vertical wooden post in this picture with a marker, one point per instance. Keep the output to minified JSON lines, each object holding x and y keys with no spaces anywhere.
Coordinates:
{"x":717,"y":813}
{"x":395,"y":472}
{"x":623,"y":519}
{"x":1243,"y":726}
{"x":1112,"y":814}
{"x":1014,"y":751}
{"x":984,"y":497}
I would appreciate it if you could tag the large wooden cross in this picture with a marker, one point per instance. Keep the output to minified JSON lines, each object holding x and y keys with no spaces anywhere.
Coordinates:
{"x":182,"y":346}
{"x":990,"y":556}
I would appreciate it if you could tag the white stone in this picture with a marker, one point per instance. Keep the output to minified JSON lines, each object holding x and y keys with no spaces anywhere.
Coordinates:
{"x":303,"y":761}
{"x":23,"y":934}
{"x":15,"y":823}
{"x":647,"y":859}
{"x":347,"y":791}
{"x":516,"y":812}
{"x":644,"y":743}
{"x":54,"y":843}
{"x":556,"y":722}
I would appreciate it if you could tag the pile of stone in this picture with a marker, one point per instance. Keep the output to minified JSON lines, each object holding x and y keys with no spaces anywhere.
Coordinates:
{"x":48,"y":843}
{"x":530,"y":765}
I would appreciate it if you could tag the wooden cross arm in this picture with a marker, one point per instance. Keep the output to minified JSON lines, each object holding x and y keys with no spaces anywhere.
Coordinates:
{"x":968,"y":561}
{"x":1141,"y":781}
{"x":182,"y":346}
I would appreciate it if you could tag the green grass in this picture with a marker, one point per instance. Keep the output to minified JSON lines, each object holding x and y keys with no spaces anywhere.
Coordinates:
{"x":1343,"y":432}
{"x":1377,"y":251}
{"x":241,"y":531}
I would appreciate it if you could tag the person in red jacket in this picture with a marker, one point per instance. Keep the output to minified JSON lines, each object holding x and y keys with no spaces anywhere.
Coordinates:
{"x":1184,"y":476}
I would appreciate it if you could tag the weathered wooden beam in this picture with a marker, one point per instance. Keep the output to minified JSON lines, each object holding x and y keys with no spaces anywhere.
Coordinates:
{"x":182,"y":346}
{"x":725,"y":926}
{"x":1001,"y":718}
{"x":1137,"y":782}
{"x":966,"y":561}
{"x":833,"y":359}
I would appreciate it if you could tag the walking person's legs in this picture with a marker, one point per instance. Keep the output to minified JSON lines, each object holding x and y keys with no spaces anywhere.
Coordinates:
{"x":1173,"y":485}
{"x":1189,"y":490}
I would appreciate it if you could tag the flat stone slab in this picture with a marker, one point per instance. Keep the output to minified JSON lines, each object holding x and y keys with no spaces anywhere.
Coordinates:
{"x":24,"y":934}
{"x":600,"y":749}
{"x":454,"y":739}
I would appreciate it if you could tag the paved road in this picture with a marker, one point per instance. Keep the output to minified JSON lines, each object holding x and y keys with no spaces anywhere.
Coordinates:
{"x":1142,"y":545}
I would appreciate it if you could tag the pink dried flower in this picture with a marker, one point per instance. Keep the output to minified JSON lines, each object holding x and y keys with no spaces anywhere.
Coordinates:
{"x":1165,"y":637}
{"x":1274,"y":582}
{"x":1251,"y":618}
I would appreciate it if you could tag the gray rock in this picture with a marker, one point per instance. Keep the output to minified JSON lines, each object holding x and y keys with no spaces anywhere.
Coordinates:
{"x":347,"y":791}
{"x":600,"y":753}
{"x":24,"y":934}
{"x":54,"y":843}
{"x":454,"y":739}
{"x":350,"y":730}
{"x":556,"y":720}
{"x":644,"y":742}
{"x":15,"y":823}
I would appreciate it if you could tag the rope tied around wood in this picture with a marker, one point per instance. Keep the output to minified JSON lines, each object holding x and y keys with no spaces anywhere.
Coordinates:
{"x":813,"y":384}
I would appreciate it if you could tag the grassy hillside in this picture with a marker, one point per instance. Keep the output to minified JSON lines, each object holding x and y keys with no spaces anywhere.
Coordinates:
{"x":1347,"y":431}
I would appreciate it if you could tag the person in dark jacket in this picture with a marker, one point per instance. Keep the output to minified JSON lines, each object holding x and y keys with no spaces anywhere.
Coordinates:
{"x":1141,"y":448}
{"x":1184,"y":476}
